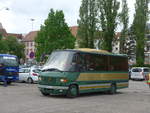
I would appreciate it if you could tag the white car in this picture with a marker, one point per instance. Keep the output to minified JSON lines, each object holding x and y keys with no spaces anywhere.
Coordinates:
{"x":29,"y":75}
{"x":139,"y":73}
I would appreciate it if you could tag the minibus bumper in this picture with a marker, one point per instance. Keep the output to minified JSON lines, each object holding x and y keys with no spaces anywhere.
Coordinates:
{"x":53,"y":90}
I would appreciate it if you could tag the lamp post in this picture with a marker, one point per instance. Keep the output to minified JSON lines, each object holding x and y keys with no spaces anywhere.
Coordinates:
{"x":5,"y":8}
{"x":32,"y":19}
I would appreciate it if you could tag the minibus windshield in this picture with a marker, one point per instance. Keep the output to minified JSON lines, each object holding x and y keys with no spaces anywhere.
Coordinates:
{"x":8,"y":61}
{"x":59,"y":61}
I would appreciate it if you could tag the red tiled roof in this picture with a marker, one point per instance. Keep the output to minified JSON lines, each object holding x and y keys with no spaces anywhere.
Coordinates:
{"x":3,"y":31}
{"x":30,"y":36}
{"x":117,"y":35}
{"x":19,"y":36}
{"x":74,"y":30}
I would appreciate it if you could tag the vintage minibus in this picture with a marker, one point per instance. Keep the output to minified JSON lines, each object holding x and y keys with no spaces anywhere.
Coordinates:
{"x":75,"y":71}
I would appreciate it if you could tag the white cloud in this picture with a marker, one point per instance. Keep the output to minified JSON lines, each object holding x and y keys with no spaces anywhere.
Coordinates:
{"x":17,"y":20}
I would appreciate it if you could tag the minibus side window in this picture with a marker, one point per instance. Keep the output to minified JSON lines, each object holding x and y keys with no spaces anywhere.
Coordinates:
{"x":96,"y":62}
{"x":78,"y":63}
{"x":118,"y":63}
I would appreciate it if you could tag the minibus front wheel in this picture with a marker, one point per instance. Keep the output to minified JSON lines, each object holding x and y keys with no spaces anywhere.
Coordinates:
{"x":44,"y":93}
{"x":73,"y":91}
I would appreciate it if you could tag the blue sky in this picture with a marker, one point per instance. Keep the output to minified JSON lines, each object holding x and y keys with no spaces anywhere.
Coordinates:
{"x":18,"y":18}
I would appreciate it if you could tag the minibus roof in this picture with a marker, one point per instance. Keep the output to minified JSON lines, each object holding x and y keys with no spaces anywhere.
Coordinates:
{"x":7,"y":55}
{"x":94,"y":51}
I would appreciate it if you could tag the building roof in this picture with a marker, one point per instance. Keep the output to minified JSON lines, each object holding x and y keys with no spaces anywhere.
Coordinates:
{"x":74,"y":30}
{"x":1,"y":27}
{"x":3,"y":31}
{"x":30,"y":36}
{"x":5,"y":34}
{"x":117,"y":35}
{"x":18,"y":36}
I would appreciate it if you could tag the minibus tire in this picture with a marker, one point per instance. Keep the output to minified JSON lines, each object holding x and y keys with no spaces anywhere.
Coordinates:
{"x":113,"y":89}
{"x":73,"y":91}
{"x":44,"y":94}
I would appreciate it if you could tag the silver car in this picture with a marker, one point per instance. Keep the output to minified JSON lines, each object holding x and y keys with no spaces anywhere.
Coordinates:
{"x":139,"y":73}
{"x":29,"y":75}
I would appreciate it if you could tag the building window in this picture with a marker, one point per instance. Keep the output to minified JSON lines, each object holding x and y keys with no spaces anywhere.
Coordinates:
{"x":27,"y":52}
{"x":31,"y":44}
{"x":28,"y":44}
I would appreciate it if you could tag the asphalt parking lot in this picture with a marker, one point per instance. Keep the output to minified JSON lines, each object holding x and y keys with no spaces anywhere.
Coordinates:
{"x":26,"y":98}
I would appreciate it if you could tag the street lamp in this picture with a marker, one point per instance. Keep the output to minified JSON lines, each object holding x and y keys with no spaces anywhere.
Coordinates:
{"x":5,"y":8}
{"x":32,"y":19}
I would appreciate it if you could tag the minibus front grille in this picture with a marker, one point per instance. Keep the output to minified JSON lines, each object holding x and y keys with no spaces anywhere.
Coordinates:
{"x":48,"y":80}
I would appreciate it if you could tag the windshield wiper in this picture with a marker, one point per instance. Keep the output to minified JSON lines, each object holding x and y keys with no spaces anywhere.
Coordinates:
{"x":51,"y":69}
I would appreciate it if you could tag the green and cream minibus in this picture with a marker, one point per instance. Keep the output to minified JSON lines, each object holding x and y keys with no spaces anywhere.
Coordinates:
{"x":71,"y":72}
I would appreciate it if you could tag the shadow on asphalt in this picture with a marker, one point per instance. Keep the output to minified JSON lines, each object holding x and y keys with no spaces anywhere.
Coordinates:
{"x":85,"y":95}
{"x":12,"y":84}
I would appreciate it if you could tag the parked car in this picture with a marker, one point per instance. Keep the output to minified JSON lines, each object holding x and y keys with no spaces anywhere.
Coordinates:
{"x":139,"y":73}
{"x":29,"y":75}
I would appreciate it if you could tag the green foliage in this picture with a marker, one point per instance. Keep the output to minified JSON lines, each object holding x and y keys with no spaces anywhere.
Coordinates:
{"x":87,"y":24}
{"x":54,"y":34}
{"x":12,"y":46}
{"x":3,"y":46}
{"x":138,"y":65}
{"x":139,"y":28}
{"x":1,"y":36}
{"x":108,"y":19}
{"x":124,"y":18}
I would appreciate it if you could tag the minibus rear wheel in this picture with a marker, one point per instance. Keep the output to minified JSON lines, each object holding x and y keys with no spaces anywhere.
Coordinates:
{"x":73,"y":91}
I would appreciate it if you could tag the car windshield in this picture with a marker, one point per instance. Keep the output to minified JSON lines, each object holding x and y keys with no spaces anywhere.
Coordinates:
{"x":8,"y":61}
{"x":59,"y":61}
{"x":137,"y":70}
{"x":36,"y":70}
{"x":146,"y":70}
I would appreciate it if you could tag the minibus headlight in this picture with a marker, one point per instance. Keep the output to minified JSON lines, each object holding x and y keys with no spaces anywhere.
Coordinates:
{"x":63,"y":80}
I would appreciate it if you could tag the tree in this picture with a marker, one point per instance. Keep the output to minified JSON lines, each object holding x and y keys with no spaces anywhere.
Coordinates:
{"x":108,"y":20}
{"x":139,"y":26}
{"x":124,"y":18}
{"x":54,"y":34}
{"x":3,"y":46}
{"x":14,"y":47}
{"x":87,"y":24}
{"x":10,"y":45}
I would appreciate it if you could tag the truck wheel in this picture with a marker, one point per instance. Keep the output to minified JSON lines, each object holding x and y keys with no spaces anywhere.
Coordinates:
{"x":44,"y":94}
{"x":8,"y":82}
{"x":29,"y":80}
{"x":72,"y":91}
{"x":113,"y":89}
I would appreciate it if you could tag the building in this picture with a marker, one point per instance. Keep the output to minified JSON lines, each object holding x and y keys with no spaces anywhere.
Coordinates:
{"x":5,"y":34}
{"x":29,"y":41}
{"x":74,"y":30}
